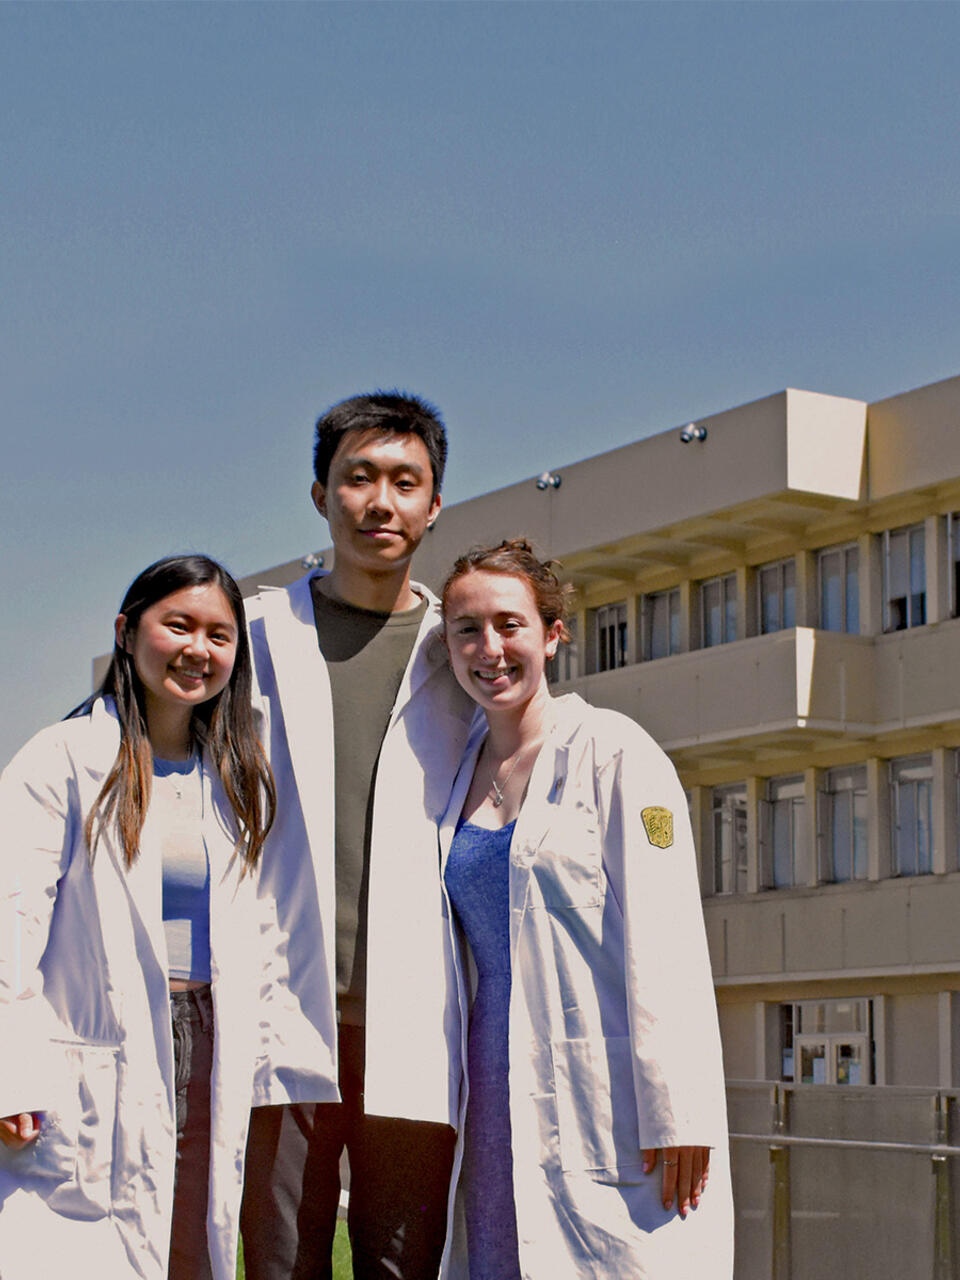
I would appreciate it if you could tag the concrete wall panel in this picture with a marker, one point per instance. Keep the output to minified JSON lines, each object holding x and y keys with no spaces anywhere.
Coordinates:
{"x":916,"y":675}
{"x":934,"y":919}
{"x":875,"y":929}
{"x":754,"y":937}
{"x":738,"y":1033}
{"x":914,"y":439}
{"x":915,"y":1039}
{"x":814,"y":934}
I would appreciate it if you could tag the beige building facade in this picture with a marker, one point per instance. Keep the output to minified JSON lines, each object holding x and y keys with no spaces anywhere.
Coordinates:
{"x":778,"y":603}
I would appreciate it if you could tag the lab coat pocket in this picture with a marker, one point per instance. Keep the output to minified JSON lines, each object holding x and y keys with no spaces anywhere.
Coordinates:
{"x":569,"y":864}
{"x":596,"y":1108}
{"x":80,"y":1138}
{"x":70,"y":1162}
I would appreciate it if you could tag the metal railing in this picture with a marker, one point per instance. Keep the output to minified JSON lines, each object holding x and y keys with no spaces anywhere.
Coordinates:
{"x":856,"y":1182}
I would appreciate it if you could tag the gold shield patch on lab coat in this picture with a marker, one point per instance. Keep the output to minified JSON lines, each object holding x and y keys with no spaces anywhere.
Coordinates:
{"x":659,"y":826}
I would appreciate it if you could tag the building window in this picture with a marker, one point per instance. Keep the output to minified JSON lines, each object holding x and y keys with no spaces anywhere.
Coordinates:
{"x":839,"y":588}
{"x":784,"y":835}
{"x":776,"y":596}
{"x":611,"y":636}
{"x":718,"y":610}
{"x":730,"y":839}
{"x":953,"y":559}
{"x":904,"y":578}
{"x":827,"y":1042}
{"x":565,"y":665}
{"x":911,"y":800}
{"x":660,"y":624}
{"x":844,"y":824}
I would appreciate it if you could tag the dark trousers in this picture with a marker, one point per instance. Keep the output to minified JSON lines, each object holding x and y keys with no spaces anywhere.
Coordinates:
{"x":399,"y":1179}
{"x":192,"y":1014}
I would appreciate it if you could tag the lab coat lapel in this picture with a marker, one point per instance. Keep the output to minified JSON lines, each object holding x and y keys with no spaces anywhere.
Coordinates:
{"x":544,"y":790}
{"x":303,"y":688}
{"x":428,"y":652}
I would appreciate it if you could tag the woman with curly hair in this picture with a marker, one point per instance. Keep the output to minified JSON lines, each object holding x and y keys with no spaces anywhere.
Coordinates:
{"x":594,"y":1085}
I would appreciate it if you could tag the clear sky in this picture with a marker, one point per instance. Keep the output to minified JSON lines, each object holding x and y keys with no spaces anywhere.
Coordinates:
{"x":569,"y":225}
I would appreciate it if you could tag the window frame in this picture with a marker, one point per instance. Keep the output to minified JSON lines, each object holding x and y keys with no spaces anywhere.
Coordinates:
{"x":564,"y":666}
{"x":848,"y":776}
{"x":727,"y":582}
{"x":914,"y":602}
{"x":843,"y":549}
{"x":647,"y":610}
{"x":721,"y":813}
{"x":901,"y":765}
{"x":615,"y":630}
{"x":793,"y":803}
{"x":953,"y":562}
{"x":795,"y":1037}
{"x":781,"y":568}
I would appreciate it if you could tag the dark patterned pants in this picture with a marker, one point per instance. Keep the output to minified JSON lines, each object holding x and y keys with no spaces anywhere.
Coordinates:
{"x":192,"y":1014}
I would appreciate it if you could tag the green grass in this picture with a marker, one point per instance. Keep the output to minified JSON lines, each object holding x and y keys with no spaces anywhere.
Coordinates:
{"x":342,"y":1268}
{"x":342,"y":1264}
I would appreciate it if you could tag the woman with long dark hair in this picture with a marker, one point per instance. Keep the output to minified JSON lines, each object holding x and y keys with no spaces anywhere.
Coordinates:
{"x":130,"y":953}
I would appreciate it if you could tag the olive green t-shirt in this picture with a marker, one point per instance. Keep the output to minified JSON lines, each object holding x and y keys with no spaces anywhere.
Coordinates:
{"x":366,"y":655}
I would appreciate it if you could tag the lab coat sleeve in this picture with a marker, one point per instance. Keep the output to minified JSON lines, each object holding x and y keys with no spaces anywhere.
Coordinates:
{"x":677,"y":1063}
{"x":40,"y":820}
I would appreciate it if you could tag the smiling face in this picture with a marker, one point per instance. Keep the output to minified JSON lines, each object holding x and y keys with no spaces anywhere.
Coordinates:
{"x":498,"y":643}
{"x":183,"y":650}
{"x":379,"y":502}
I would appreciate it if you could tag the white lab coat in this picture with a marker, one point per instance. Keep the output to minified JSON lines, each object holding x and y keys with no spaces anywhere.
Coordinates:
{"x":614,"y":1042}
{"x":413,"y":1067}
{"x":86,"y":1028}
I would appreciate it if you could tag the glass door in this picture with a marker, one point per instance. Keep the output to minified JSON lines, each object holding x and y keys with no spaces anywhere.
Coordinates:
{"x":814,"y":1060}
{"x":849,"y":1061}
{"x":832,"y":1059}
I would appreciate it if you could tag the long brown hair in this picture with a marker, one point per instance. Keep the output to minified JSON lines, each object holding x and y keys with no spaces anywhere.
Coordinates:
{"x":223,"y":725}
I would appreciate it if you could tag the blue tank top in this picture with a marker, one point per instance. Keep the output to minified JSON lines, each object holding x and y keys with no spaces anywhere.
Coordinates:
{"x":176,"y":817}
{"x":478,"y":882}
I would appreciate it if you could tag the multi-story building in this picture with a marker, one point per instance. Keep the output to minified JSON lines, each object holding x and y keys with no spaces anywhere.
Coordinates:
{"x":777,"y":603}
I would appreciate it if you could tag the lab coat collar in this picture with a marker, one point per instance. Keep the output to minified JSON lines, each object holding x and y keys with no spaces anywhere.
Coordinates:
{"x":547,"y":778}
{"x":429,"y":653}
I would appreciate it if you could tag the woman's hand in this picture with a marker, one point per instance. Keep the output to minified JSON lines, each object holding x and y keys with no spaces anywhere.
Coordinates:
{"x":19,"y":1131}
{"x":685,"y":1173}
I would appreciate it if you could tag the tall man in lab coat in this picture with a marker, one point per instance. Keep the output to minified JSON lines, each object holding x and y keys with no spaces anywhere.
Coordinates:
{"x":366,"y":727}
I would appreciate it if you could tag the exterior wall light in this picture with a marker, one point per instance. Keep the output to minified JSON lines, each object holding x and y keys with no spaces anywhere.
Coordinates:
{"x":548,"y":480}
{"x":693,"y":432}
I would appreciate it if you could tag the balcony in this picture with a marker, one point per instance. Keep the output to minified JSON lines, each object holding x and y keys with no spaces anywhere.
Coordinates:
{"x":788,"y":690}
{"x":861,"y":929}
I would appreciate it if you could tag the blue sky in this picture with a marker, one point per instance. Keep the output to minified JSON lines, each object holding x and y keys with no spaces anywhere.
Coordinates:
{"x":569,"y":225}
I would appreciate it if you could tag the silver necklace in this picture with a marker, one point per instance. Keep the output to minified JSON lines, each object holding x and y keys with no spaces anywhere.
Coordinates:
{"x":498,"y":790}
{"x":179,"y":780}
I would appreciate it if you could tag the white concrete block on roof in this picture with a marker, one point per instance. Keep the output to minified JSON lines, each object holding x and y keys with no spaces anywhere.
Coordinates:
{"x":826,"y":444}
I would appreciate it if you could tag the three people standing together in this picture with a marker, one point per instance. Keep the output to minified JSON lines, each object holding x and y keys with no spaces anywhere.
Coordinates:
{"x":528,"y":1036}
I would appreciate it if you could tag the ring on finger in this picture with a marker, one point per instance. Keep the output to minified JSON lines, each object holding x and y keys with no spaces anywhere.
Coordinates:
{"x":671,"y":1163}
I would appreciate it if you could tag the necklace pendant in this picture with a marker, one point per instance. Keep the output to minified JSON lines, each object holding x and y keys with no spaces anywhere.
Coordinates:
{"x":498,"y":800}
